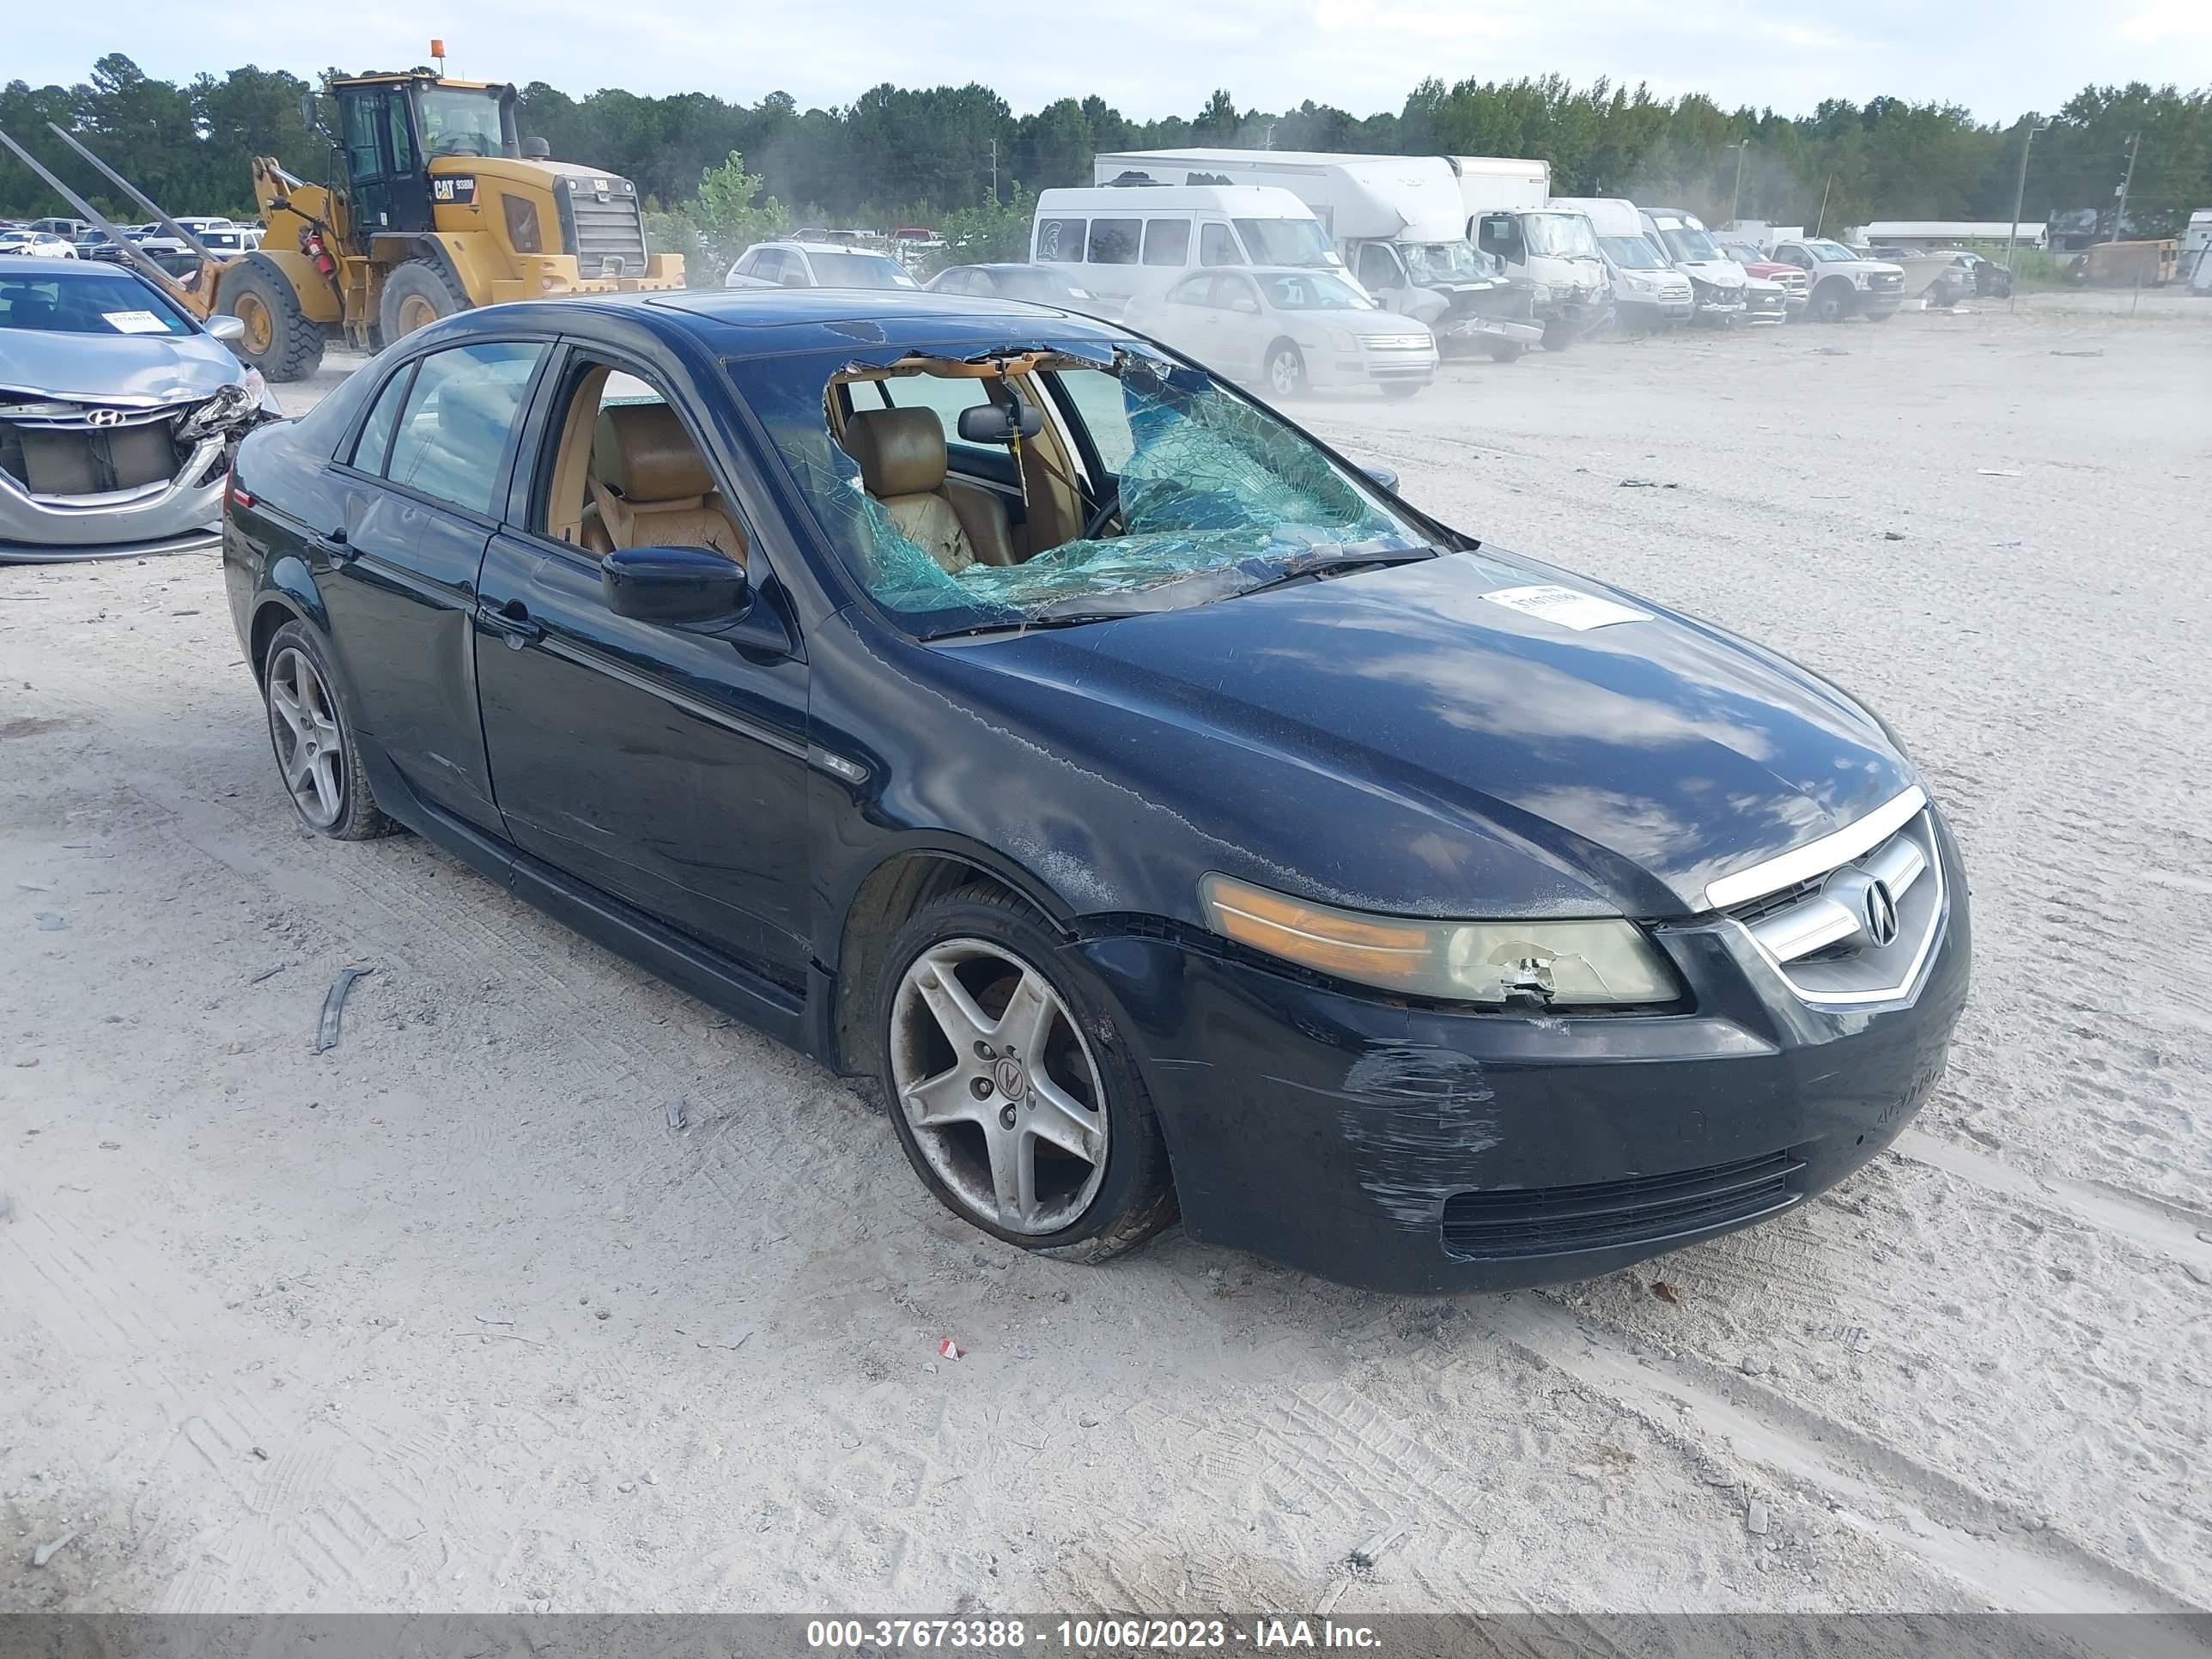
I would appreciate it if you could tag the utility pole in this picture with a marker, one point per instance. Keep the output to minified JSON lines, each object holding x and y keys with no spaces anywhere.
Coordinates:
{"x":1822,"y":221}
{"x":1736,"y":202}
{"x":2119,"y":212}
{"x":994,"y":172}
{"x":2019,"y":195}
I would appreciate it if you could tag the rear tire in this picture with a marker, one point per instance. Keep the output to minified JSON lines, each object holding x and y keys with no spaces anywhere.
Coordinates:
{"x":416,"y":293}
{"x":978,"y":1117}
{"x":1558,"y":337}
{"x":281,"y":340}
{"x":1507,"y":351}
{"x":311,"y":732}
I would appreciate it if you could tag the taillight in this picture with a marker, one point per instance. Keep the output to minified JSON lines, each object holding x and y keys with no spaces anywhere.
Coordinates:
{"x":240,"y":495}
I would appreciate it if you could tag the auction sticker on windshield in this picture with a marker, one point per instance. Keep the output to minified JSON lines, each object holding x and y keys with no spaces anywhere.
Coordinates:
{"x":1566,"y":606}
{"x":135,"y":322}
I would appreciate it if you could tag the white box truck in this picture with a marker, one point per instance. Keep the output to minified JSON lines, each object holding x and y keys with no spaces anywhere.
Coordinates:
{"x":1511,"y":216}
{"x":1395,"y":219}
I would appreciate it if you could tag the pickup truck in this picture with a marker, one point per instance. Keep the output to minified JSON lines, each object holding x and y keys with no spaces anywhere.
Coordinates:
{"x":1842,"y":283}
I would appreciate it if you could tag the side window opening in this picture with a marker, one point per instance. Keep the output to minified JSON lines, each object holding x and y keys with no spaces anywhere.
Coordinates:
{"x":625,"y":471}
{"x":1167,"y":241}
{"x":1217,"y":247}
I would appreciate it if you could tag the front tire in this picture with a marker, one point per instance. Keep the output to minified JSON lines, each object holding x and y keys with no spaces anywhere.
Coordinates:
{"x":1400,"y":391}
{"x":1286,"y":369}
{"x":281,"y":340}
{"x":1508,"y":351}
{"x":312,"y":732}
{"x":416,"y":295}
{"x":1831,"y":303}
{"x":1012,"y":1093}
{"x":1558,"y":336}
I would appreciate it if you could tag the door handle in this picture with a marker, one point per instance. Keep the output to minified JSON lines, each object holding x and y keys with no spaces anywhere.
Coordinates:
{"x":512,"y":622}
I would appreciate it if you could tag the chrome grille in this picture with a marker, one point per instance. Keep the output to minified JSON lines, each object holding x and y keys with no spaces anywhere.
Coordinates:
{"x":1825,"y":934}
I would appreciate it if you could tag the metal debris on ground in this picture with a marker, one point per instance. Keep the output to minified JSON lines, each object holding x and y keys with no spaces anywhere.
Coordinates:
{"x":1365,"y":1558}
{"x":48,"y":921}
{"x":45,"y":1552}
{"x":2000,"y":473}
{"x":676,"y":1113}
{"x":268,"y":973}
{"x":1646,"y":483}
{"x":1892,"y":534}
{"x":326,"y":1034}
{"x":951,"y":1350}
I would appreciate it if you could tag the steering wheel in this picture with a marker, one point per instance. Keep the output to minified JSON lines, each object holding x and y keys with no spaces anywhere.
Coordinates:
{"x":1103,"y":512}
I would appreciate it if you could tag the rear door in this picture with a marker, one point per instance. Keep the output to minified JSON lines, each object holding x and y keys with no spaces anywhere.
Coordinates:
{"x":420,"y":481}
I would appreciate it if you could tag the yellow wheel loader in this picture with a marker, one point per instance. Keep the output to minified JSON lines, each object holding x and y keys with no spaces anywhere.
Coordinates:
{"x":442,"y":207}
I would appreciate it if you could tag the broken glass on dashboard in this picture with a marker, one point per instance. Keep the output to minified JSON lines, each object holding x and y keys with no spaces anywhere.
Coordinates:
{"x":1190,"y":493}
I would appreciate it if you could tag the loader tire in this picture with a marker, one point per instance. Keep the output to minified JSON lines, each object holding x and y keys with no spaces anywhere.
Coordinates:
{"x":416,"y":295}
{"x":281,"y":339}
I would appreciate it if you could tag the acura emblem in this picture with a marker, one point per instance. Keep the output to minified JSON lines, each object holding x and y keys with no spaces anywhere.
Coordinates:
{"x":1881,"y":918}
{"x":105,"y":418}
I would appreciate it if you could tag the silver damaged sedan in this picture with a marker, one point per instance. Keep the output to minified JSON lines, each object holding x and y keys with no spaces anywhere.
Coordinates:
{"x":119,"y":415}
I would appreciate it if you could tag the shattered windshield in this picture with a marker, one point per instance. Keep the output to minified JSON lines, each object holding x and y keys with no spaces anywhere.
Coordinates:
{"x":1432,"y":263}
{"x":1560,"y":235}
{"x":1690,"y":247}
{"x":1200,"y":495}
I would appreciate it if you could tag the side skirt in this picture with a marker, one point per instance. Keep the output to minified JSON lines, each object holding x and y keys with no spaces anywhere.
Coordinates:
{"x":793,"y":1020}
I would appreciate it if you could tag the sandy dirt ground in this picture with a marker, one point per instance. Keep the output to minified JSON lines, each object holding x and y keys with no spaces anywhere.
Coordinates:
{"x":450,"y":1317}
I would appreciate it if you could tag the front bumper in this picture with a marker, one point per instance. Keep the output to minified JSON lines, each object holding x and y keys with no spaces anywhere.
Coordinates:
{"x":57,"y":525}
{"x":1418,"y":1149}
{"x":1348,"y":368}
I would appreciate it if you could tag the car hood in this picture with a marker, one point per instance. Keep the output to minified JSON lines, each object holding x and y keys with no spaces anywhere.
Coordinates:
{"x":139,"y":370}
{"x":1398,"y":739}
{"x":1721,"y":273}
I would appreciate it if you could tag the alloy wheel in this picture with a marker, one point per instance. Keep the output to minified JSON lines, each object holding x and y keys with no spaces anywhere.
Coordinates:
{"x":999,"y":1086}
{"x":310,"y":750}
{"x":1283,"y":374}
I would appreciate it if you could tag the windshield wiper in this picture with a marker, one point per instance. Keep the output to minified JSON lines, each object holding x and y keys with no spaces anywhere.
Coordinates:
{"x":1314,"y":566}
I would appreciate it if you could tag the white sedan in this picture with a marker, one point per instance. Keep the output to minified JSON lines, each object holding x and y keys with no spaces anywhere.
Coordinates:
{"x":1291,"y":329}
{"x":37,"y":243}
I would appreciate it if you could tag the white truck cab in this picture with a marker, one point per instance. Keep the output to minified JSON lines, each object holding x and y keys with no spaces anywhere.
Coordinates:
{"x":1512,"y":217}
{"x":1395,"y":220}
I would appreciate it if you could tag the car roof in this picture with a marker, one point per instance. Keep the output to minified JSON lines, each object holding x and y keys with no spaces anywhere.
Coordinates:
{"x":39,"y":264}
{"x":821,"y":247}
{"x":758,"y":322}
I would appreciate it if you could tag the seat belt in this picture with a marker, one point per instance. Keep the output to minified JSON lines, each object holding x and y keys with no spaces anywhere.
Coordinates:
{"x":614,"y":512}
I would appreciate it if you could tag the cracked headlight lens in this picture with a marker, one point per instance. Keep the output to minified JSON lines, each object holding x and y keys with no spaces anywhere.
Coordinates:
{"x":1606,"y":961}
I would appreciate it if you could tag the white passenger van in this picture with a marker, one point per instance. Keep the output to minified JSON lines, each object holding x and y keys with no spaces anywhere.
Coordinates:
{"x":1135,"y":240}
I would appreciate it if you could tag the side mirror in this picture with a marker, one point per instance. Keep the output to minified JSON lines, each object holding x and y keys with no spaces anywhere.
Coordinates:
{"x":1382,"y":478}
{"x":537,"y":150}
{"x":674,"y":585}
{"x":995,"y":424}
{"x":229,"y":329}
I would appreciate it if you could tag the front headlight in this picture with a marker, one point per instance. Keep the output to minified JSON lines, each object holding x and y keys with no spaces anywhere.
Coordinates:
{"x":1343,"y":341}
{"x":1599,"y":963}
{"x":522,"y":233}
{"x":1858,"y":279}
{"x":1542,"y":294}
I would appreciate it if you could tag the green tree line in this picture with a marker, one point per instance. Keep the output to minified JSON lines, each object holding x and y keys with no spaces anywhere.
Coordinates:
{"x":902,"y":155}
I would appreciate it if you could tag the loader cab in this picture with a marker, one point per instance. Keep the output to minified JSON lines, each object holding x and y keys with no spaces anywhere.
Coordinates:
{"x":392,"y":127}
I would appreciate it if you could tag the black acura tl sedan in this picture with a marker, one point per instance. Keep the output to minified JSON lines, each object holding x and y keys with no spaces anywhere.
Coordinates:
{"x":990,"y":703}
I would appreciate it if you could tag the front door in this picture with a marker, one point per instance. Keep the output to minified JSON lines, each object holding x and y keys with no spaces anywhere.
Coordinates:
{"x":418,"y":489}
{"x":663,"y":764}
{"x":384,"y":159}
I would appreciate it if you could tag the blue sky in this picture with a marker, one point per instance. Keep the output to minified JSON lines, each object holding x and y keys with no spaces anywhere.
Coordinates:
{"x":1163,"y":57}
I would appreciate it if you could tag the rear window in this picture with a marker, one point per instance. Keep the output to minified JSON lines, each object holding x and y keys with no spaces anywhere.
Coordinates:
{"x":1061,"y":240}
{"x":93,"y":301}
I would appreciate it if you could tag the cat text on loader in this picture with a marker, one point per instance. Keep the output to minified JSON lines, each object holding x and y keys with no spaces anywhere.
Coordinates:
{"x":441,"y":207}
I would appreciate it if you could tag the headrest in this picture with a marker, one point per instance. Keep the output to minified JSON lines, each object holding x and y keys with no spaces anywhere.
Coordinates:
{"x":901,"y":452}
{"x":642,"y":452}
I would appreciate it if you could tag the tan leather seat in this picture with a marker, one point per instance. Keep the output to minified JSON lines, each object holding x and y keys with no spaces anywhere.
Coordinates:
{"x":901,"y":455}
{"x":649,"y":486}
